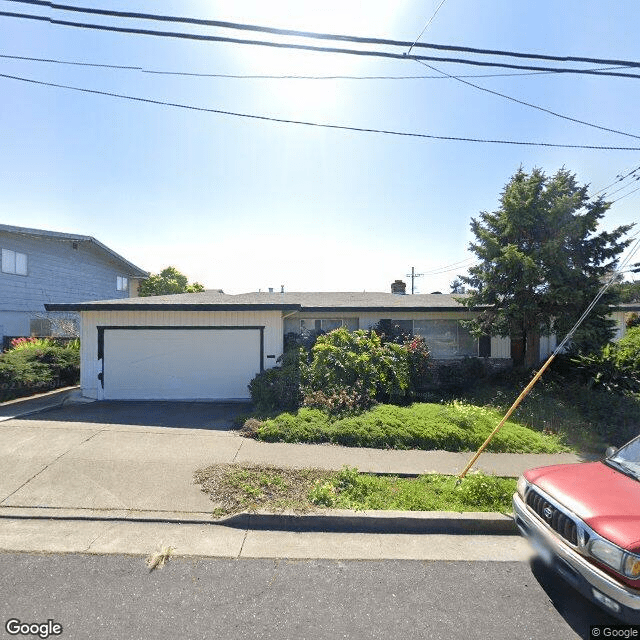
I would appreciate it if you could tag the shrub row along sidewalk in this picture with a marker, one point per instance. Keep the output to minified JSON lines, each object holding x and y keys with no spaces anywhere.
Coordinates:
{"x":235,"y":488}
{"x":450,"y":427}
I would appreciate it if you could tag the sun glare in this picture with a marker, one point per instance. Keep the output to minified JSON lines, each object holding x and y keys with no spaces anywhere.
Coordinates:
{"x":307,"y":97}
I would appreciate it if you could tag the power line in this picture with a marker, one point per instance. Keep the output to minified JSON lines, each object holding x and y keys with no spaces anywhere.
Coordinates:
{"x":317,"y":124}
{"x":449,"y":267}
{"x":316,"y":35}
{"x":426,"y":26}
{"x":529,"y":104}
{"x":301,"y":47}
{"x":619,"y":178}
{"x":622,"y":188}
{"x":274,"y":77}
{"x":625,"y":195}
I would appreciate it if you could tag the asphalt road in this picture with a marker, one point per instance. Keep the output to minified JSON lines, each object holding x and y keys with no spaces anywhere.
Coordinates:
{"x":116,"y":597}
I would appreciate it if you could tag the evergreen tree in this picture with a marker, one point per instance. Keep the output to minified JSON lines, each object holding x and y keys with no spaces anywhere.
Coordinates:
{"x":541,"y":262}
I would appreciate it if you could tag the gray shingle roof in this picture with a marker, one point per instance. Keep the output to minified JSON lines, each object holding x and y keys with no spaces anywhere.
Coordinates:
{"x":296,"y":301}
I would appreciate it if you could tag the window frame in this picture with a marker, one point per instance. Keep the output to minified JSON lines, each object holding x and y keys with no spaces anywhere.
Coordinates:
{"x":18,"y":259}
{"x":122,"y":283}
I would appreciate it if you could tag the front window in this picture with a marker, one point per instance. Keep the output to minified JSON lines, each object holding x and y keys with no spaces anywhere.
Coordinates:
{"x":122,"y":283}
{"x":446,"y":338}
{"x":40,"y":327}
{"x":14,"y":262}
{"x":324,"y":325}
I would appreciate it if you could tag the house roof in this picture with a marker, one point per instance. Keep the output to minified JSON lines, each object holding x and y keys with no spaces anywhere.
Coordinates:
{"x":131,"y":268}
{"x":290,"y":301}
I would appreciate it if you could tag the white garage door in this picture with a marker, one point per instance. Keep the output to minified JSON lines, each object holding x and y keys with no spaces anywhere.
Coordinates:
{"x":180,"y":364}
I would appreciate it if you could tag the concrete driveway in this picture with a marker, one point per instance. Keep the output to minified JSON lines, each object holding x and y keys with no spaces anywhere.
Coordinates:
{"x":217,"y":416}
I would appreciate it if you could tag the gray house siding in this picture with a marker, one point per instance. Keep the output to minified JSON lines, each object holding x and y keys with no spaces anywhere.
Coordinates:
{"x":58,"y":270}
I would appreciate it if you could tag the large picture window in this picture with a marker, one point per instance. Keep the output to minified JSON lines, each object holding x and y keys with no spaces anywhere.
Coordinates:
{"x":324,"y":325}
{"x":446,"y":338}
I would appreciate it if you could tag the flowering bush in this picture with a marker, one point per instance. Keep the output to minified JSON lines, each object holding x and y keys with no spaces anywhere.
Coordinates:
{"x":25,"y":343}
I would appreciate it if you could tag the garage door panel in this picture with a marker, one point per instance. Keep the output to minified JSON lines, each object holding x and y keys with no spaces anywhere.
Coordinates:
{"x":152,"y":364}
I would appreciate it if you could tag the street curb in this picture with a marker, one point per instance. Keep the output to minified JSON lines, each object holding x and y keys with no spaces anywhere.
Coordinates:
{"x":389,"y":522}
{"x":331,"y":521}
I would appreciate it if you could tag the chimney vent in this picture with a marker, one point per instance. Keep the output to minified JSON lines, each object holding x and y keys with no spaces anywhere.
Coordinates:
{"x":398,"y":288}
{"x":270,"y":289}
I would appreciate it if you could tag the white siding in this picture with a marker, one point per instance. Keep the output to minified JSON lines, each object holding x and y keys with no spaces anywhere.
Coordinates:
{"x":90,"y":366}
{"x":500,"y":347}
{"x":547,"y":346}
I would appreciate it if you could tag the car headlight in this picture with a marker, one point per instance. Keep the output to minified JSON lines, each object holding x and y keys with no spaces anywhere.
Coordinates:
{"x":607,"y":553}
{"x":631,"y":566}
{"x":522,"y":486}
{"x":618,"y":559}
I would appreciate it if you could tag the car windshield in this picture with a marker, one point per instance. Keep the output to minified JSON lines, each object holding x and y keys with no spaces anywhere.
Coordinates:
{"x":628,"y":457}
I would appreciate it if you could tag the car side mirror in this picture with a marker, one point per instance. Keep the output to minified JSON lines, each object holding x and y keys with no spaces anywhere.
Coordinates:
{"x":610,"y":451}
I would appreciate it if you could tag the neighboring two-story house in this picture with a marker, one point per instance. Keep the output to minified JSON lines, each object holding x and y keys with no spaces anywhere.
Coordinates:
{"x":38,"y":267}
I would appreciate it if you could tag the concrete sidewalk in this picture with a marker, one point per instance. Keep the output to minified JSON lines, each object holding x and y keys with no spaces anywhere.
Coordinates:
{"x":67,"y":483}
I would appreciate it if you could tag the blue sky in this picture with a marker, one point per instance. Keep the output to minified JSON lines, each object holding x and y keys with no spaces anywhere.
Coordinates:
{"x":243,"y":204}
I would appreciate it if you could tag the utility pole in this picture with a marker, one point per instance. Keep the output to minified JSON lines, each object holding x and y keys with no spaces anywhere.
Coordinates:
{"x":413,"y":275}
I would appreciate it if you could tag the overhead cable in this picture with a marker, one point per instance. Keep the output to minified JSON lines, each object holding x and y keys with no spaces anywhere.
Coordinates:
{"x":625,"y":195}
{"x":529,"y":104}
{"x":619,"y":178}
{"x":317,"y":124}
{"x":275,"y":77}
{"x":426,"y":26}
{"x":302,"y":47}
{"x":320,"y":36}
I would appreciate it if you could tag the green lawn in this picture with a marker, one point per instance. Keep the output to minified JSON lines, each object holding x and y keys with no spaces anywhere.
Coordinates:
{"x":452,"y":427}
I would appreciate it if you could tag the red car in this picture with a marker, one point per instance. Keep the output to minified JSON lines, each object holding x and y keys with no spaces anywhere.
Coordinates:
{"x":584,"y":520}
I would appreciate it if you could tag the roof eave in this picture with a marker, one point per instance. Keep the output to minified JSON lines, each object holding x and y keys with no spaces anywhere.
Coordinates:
{"x":87,"y":306}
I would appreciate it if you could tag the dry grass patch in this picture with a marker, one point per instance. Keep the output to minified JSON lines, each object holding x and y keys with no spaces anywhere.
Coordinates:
{"x":236,"y":488}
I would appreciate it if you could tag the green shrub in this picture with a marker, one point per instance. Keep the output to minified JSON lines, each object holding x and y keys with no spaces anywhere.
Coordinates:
{"x":615,"y":368}
{"x":277,"y":389}
{"x":38,"y":365}
{"x":357,"y":363}
{"x":453,"y":377}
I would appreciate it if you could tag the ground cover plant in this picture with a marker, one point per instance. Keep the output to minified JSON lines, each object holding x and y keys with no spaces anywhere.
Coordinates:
{"x":236,"y":488}
{"x":453,"y":426}
{"x":33,"y":365}
{"x":588,"y":419}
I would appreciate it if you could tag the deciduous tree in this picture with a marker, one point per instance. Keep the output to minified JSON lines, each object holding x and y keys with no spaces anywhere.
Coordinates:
{"x":168,"y":281}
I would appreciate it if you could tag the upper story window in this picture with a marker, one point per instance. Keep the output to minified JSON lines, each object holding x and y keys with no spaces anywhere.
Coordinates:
{"x":122,"y":283}
{"x":14,"y":262}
